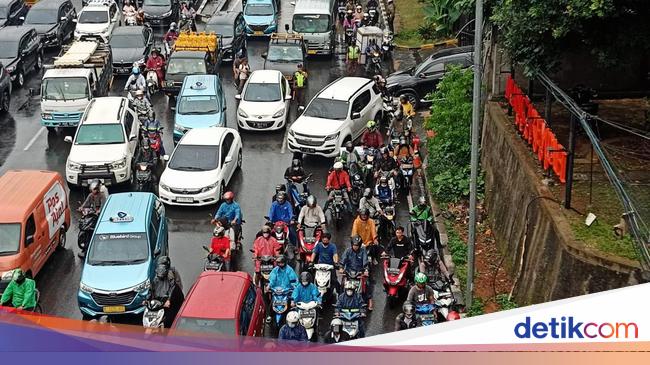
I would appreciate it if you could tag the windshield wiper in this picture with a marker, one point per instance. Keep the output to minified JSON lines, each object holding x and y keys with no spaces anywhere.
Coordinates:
{"x":198,"y":112}
{"x":187,"y":168}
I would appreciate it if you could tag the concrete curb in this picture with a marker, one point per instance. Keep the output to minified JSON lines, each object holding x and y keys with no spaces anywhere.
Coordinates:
{"x":448,"y":42}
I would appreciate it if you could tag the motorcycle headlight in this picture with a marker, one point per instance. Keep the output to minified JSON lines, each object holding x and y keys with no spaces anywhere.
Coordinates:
{"x":46,"y":116}
{"x":145,"y":285}
{"x":242,"y":113}
{"x":164,"y":187}
{"x":119,"y":164}
{"x":332,"y":136}
{"x":209,"y":187}
{"x":73,"y":166}
{"x":279,"y":113}
{"x":85,"y":288}
{"x":167,"y":13}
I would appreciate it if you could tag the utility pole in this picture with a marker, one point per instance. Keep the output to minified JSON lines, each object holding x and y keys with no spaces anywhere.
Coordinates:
{"x":476,"y":111}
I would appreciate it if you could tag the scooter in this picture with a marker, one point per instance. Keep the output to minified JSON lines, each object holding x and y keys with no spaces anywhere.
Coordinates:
{"x":152,"y":82}
{"x":444,"y":298}
{"x":267,"y":263}
{"x":406,"y":173}
{"x":373,"y":16}
{"x":359,"y":279}
{"x":427,"y":313}
{"x":387,"y":44}
{"x":144,"y":177}
{"x":336,"y":208}
{"x":350,"y":318}
{"x":308,"y":237}
{"x":87,"y":224}
{"x":368,"y":167}
{"x":298,"y":200}
{"x":341,"y":11}
{"x":280,"y":304}
{"x":387,"y":221}
{"x":323,"y":279}
{"x":308,"y":317}
{"x":130,"y":18}
{"x":425,"y":236}
{"x":396,"y":277}
{"x":357,"y":188}
{"x":154,"y":139}
{"x":213,"y":261}
{"x":375,"y":63}
{"x":154,"y":314}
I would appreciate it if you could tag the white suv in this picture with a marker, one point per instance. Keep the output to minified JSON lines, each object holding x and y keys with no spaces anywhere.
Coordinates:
{"x":338,"y":114}
{"x":97,"y":20}
{"x":105,"y":143}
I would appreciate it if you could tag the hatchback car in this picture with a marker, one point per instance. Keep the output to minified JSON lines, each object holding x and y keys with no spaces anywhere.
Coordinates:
{"x":53,"y":21}
{"x":201,"y":166}
{"x":11,"y":12}
{"x":264,"y":101}
{"x":222,"y":303}
{"x":21,"y":52}
{"x":261,"y":17}
{"x":230,"y":25}
{"x":422,"y":79}
{"x":97,"y":20}
{"x":160,"y":12}
{"x":337,"y":114}
{"x":130,"y":45}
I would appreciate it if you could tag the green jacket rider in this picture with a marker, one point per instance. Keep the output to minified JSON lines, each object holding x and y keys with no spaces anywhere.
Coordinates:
{"x":21,"y":292}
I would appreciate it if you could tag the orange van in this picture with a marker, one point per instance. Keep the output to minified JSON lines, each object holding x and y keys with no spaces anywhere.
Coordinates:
{"x":34,"y":218}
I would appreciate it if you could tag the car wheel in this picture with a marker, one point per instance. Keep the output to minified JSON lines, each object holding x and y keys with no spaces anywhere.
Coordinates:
{"x":39,"y":63}
{"x":412,"y":98}
{"x":6,"y":100}
{"x":20,"y":79}
{"x":239,"y":160}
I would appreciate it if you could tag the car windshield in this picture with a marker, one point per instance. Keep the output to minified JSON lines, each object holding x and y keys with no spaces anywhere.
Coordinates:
{"x":100,"y":134}
{"x":223,"y":29}
{"x":127,"y":41}
{"x":217,"y":326}
{"x":327,"y":109}
{"x":156,"y":2}
{"x":9,"y":49}
{"x":259,"y":9}
{"x":194,"y":158}
{"x":206,"y":104}
{"x":93,"y":17}
{"x":118,"y":249}
{"x":65,"y":88}
{"x":280,"y":53}
{"x":41,"y":16}
{"x":9,"y":238}
{"x":262,"y":92}
{"x":186,"y":66}
{"x":311,"y":23}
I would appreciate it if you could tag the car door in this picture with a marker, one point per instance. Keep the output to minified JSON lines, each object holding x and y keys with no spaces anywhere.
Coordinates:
{"x":163,"y":233}
{"x":429,"y":77}
{"x":25,"y":53}
{"x":227,"y":157}
{"x":72,"y":15}
{"x":130,"y":133}
{"x":148,"y":41}
{"x":240,"y":36}
{"x":360,"y":105}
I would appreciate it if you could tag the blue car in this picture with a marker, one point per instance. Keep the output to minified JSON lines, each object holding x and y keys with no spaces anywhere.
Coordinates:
{"x":201,"y":104}
{"x":261,"y":17}
{"x":120,"y":262}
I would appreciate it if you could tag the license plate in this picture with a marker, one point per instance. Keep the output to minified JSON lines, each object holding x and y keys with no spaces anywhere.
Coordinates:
{"x":311,"y":51}
{"x":307,"y":150}
{"x":260,"y":125}
{"x":114,"y":309}
{"x":154,"y":21}
{"x":257,"y":32}
{"x":185,"y":200}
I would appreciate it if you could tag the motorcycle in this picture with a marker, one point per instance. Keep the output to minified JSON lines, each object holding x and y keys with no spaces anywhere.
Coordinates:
{"x":186,"y":23}
{"x":87,"y":224}
{"x":298,"y":200}
{"x":368,"y":167}
{"x":444,"y":298}
{"x":387,"y":224}
{"x":130,"y":18}
{"x":351,"y":318}
{"x":373,"y":16}
{"x":154,"y":314}
{"x":154,"y":139}
{"x":144,"y":177}
{"x":152,"y":82}
{"x":308,"y":237}
{"x":280,"y":304}
{"x":359,"y":279}
{"x":341,"y":10}
{"x":280,"y":231}
{"x":396,"y":277}
{"x":357,"y":188}
{"x":427,"y":313}
{"x":375,"y":67}
{"x":213,"y":261}
{"x":308,"y":317}
{"x":425,"y":236}
{"x":266,"y":266}
{"x":336,"y":208}
{"x":406,"y":173}
{"x":323,"y":279}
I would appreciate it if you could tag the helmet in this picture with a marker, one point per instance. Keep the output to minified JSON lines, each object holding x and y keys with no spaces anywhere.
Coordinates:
{"x":430,"y":256}
{"x":281,"y":260}
{"x":359,"y":7}
{"x":403,"y":98}
{"x":336,"y":325}
{"x":371,"y":124}
{"x":349,"y":285}
{"x":311,"y":201}
{"x":408,"y":308}
{"x":155,"y":49}
{"x":356,"y":241}
{"x":385,"y":151}
{"x":295,"y":163}
{"x":367,"y":193}
{"x":228,"y":195}
{"x":422,"y":201}
{"x":349,"y":12}
{"x":292,"y":318}
{"x":280,"y":187}
{"x":218,"y":231}
{"x":281,"y":196}
{"x":349,"y":146}
{"x":94,"y":185}
{"x":139,"y":93}
{"x":164,"y":260}
{"x":338,"y":165}
{"x":452,"y":316}
{"x":135,"y":70}
{"x":420,"y":278}
{"x":364,"y":211}
{"x":172,"y":26}
{"x":161,"y":271}
{"x":266,"y":229}
{"x":365,"y":15}
{"x":305,"y":277}
{"x":383,"y":180}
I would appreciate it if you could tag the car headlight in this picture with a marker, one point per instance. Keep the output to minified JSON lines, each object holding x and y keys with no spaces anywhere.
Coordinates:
{"x":279,"y":113}
{"x":242,"y":113}
{"x":85,"y":288}
{"x":167,"y":13}
{"x":119,"y":164}
{"x":145,"y":285}
{"x":73,"y":166}
{"x":332,"y":136}
{"x":46,"y":116}
{"x":164,"y":187}
{"x":209,"y":187}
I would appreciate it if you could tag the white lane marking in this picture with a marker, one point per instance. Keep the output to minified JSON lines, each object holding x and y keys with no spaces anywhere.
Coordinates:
{"x":284,"y":141}
{"x":31,"y":141}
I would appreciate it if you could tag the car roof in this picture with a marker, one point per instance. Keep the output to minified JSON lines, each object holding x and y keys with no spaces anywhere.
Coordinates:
{"x":208,"y":85}
{"x":261,"y":2}
{"x":451,"y":52}
{"x":343,"y":88}
{"x":306,"y":6}
{"x":216,"y":295}
{"x":5,"y":2}
{"x":14,"y":32}
{"x":204,"y":136}
{"x":188,"y":54}
{"x":131,"y":29}
{"x":19,"y":189}
{"x":137,"y":207}
{"x":48,"y":4}
{"x":265,"y":77}
{"x":223,"y":17}
{"x":67,"y":72}
{"x":99,"y":110}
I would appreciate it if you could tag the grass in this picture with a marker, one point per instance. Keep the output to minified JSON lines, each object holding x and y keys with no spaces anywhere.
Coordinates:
{"x":505,"y":303}
{"x":600,"y":236}
{"x":458,"y":250}
{"x":410,"y":16}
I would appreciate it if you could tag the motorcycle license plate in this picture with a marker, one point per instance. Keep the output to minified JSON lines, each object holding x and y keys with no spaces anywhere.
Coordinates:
{"x":311,"y":51}
{"x":114,"y":309}
{"x":407,"y":166}
{"x":266,"y":267}
{"x":257,"y":32}
{"x":184,"y":200}
{"x":350,"y":326}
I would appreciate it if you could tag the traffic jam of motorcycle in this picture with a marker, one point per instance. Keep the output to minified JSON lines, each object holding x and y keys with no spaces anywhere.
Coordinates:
{"x":128,"y":176}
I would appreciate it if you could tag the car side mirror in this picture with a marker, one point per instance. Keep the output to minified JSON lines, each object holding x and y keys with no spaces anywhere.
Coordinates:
{"x":64,"y":18}
{"x":29,"y":240}
{"x":133,"y":138}
{"x":293,"y":3}
{"x":21,"y":18}
{"x":301,"y":109}
{"x":422,"y":76}
{"x":156,"y":252}
{"x":165,"y":157}
{"x":67,"y":139}
{"x":264,"y":55}
{"x":288,"y":97}
{"x":238,"y":96}
{"x":74,"y":20}
{"x":356,"y":115}
{"x":228,"y":159}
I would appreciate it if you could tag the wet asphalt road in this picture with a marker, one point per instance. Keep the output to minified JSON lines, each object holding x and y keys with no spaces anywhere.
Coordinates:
{"x":24,"y":144}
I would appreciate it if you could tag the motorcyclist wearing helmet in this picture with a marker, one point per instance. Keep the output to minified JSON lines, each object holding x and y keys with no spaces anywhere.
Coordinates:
{"x":348,"y":22}
{"x":421,"y":211}
{"x":156,"y":63}
{"x":128,"y":10}
{"x":265,"y":245}
{"x":407,"y":319}
{"x":386,"y":165}
{"x":431,"y":261}
{"x":325,"y":252}
{"x":20,"y":292}
{"x":230,"y":210}
{"x":164,"y":288}
{"x":349,"y":156}
{"x":282,"y":275}
{"x":295,"y":173}
{"x":371,"y":203}
{"x":142,"y":106}
{"x":372,"y":136}
{"x":406,"y":107}
{"x":305,"y":292}
{"x":350,"y":299}
{"x":383,"y":191}
{"x":221,"y":245}
{"x":339,"y":179}
{"x":355,"y":258}
{"x":311,"y":214}
{"x":358,"y":13}
{"x":365,"y":228}
{"x":421,"y":293}
{"x":95,"y":199}
{"x":187,"y":15}
{"x":172,"y":33}
{"x":282,"y":210}
{"x":293,"y":330}
{"x":167,"y":262}
{"x":136,"y":79}
{"x":336,"y":333}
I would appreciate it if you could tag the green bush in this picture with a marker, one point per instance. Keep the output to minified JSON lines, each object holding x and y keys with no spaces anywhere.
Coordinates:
{"x":477,"y":308}
{"x":505,"y":303}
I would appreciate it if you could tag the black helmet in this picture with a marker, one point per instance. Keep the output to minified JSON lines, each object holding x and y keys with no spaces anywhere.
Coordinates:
{"x":422,"y":201}
{"x":281,"y":260}
{"x":164,"y":260}
{"x":408,"y":308}
{"x":431,"y":256}
{"x":385,"y":151}
{"x":356,"y":241}
{"x":296,"y":164}
{"x":403,"y":98}
{"x":305,"y":277}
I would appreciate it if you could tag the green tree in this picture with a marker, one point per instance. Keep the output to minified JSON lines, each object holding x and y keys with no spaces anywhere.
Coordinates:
{"x":441,"y":16}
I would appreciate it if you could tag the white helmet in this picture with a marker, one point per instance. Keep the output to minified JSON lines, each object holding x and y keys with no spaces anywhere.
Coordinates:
{"x":338,"y":165}
{"x":292,"y":318}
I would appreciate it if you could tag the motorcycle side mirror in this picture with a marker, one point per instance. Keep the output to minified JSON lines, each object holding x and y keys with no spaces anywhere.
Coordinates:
{"x":356,"y":115}
{"x":251,"y":250}
{"x":165,"y":157}
{"x":264,"y":55}
{"x":301,"y":109}
{"x":22,"y":18}
{"x":267,"y":218}
{"x":293,"y":3}
{"x":238,"y":96}
{"x":67,"y":139}
{"x":74,"y":20}
{"x":206,"y":249}
{"x":64,"y":18}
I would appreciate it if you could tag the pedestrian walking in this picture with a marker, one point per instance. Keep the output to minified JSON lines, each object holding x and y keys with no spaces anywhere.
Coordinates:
{"x":300,"y":85}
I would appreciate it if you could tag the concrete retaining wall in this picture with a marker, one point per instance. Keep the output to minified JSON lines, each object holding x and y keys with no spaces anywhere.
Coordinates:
{"x":530,"y":228}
